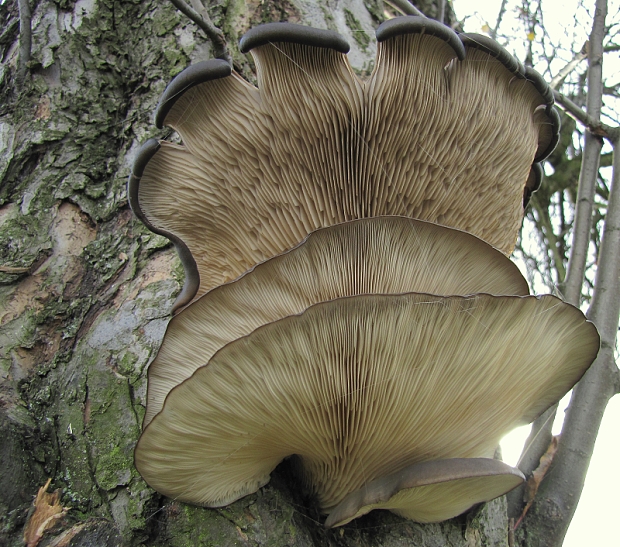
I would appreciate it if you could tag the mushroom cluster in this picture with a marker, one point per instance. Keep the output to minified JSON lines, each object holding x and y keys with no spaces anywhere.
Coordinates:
{"x":349,"y":302}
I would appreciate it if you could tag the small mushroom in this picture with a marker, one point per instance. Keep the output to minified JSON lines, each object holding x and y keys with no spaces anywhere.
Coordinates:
{"x":379,"y":255}
{"x":359,"y":388}
{"x":430,"y":491}
{"x":445,"y":130}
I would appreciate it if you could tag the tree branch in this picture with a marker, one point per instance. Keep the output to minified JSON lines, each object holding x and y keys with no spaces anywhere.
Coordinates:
{"x":441,"y":11}
{"x":214,"y":34}
{"x":25,"y":39}
{"x":569,"y":67}
{"x":405,"y":7}
{"x":593,"y":125}
{"x":500,"y":15}
{"x":546,"y":226}
{"x":559,"y":493}
{"x":556,"y":501}
{"x":589,"y":164}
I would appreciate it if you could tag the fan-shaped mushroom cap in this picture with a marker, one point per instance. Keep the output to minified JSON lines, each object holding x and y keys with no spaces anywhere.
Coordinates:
{"x":380,"y":255}
{"x":430,"y":491}
{"x":428,"y":136}
{"x":359,"y":388}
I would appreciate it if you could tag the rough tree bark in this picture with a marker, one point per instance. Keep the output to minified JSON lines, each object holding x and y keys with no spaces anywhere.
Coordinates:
{"x":86,"y":290}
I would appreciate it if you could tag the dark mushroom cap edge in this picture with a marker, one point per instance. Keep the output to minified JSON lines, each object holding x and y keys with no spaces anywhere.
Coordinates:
{"x":192,"y":278}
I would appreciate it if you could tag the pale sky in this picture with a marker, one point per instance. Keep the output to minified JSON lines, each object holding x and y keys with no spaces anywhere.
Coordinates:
{"x":595,"y":522}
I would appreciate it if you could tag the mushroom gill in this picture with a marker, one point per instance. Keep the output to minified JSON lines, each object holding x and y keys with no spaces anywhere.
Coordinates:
{"x":383,"y":255}
{"x":359,"y":388}
{"x":445,"y":130}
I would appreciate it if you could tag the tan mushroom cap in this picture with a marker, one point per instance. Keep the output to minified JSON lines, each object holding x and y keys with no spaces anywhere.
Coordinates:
{"x":380,"y":255}
{"x":359,"y":388}
{"x":431,"y":491}
{"x":428,"y":136}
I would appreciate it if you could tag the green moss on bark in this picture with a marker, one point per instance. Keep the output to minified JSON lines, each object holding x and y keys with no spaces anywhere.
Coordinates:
{"x":357,"y":31}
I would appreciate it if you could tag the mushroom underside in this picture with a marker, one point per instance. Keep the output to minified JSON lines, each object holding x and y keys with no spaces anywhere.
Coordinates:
{"x":328,"y":347}
{"x":428,"y":136}
{"x":360,"y":387}
{"x":383,"y":255}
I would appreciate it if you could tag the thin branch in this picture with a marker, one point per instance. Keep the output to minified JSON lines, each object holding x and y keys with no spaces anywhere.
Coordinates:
{"x":25,"y":38}
{"x":560,"y":492}
{"x":214,"y":34}
{"x":589,"y":163}
{"x":546,"y":227}
{"x":611,"y":90}
{"x":405,"y":7}
{"x":498,"y":21}
{"x":555,"y":493}
{"x":593,"y":125}
{"x":441,"y":11}
{"x":569,"y":67}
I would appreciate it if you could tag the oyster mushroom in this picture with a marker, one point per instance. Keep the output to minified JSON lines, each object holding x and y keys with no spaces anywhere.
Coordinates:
{"x":445,"y":130}
{"x":359,"y":388}
{"x":378,"y":255}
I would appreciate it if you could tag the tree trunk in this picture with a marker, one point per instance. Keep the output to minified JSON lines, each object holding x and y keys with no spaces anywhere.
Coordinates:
{"x":86,"y":290}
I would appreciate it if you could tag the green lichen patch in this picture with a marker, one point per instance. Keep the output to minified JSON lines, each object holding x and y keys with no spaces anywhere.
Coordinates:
{"x":18,"y":333}
{"x":272,"y":12}
{"x":187,"y":526}
{"x":376,"y":10}
{"x":66,"y":5}
{"x":149,"y":240}
{"x":24,"y":242}
{"x":175,"y":57}
{"x":103,"y":256}
{"x":164,"y":20}
{"x":357,"y":31}
{"x":113,"y":468}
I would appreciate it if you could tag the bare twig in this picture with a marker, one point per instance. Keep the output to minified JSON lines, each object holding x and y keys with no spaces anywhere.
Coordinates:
{"x":570,"y":66}
{"x":13,"y":269}
{"x":441,"y":11}
{"x":214,"y":34}
{"x":405,"y":7}
{"x":498,"y":21}
{"x":590,"y":162}
{"x":25,"y":38}
{"x":594,"y":126}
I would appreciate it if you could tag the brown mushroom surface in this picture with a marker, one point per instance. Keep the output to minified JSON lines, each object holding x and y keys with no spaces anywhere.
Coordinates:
{"x":430,"y":491}
{"x":383,"y":255}
{"x":359,"y":388}
{"x":430,"y":135}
